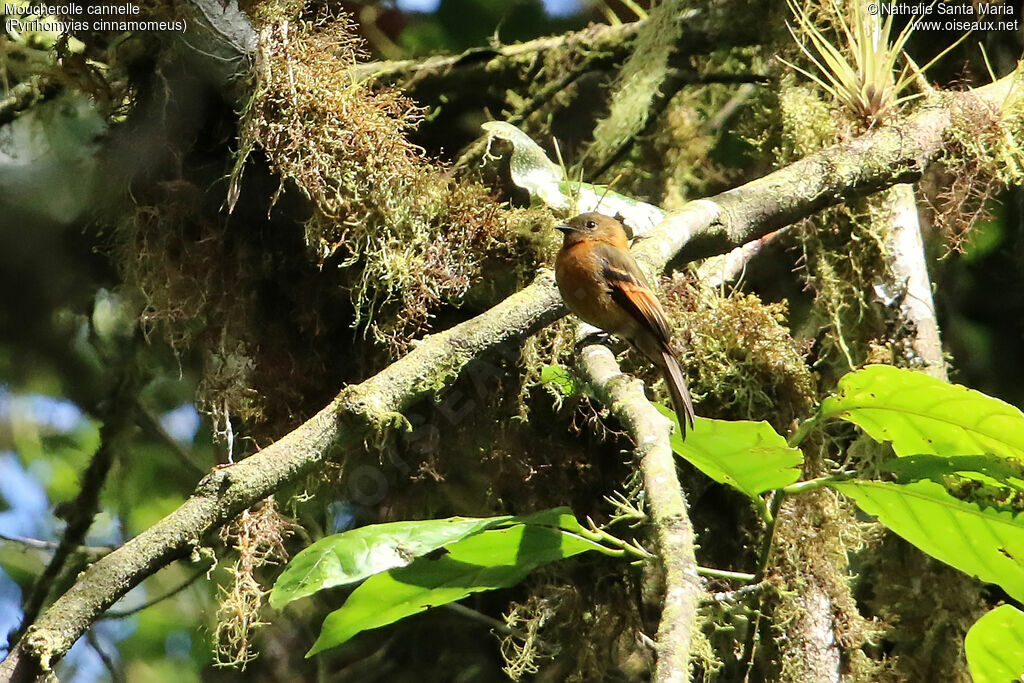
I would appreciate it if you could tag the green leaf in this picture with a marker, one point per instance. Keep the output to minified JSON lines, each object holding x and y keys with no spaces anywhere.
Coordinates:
{"x":354,"y":555}
{"x":492,"y":559}
{"x":749,"y":456}
{"x":923,"y":415}
{"x":984,"y":542}
{"x":995,"y":646}
{"x":558,"y":518}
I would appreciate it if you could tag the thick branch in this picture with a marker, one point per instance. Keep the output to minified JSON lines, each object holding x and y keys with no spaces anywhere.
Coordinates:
{"x":874,"y":161}
{"x":625,"y":398}
{"x":812,"y":620}
{"x":354,"y":414}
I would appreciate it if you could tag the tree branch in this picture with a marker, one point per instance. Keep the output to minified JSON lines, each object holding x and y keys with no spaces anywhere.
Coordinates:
{"x":124,"y":614}
{"x":720,"y":270}
{"x":879,"y":159}
{"x":640,"y":87}
{"x":908,"y":271}
{"x":594,"y":38}
{"x":93,"y":552}
{"x":357,"y":412}
{"x":624,"y":396}
{"x":26,"y":95}
{"x":150,"y":425}
{"x":674,"y":531}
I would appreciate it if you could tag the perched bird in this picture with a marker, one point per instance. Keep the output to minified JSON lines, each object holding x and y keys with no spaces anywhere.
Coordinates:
{"x":601,"y":283}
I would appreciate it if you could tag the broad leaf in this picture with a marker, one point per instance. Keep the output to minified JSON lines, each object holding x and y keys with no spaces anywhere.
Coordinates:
{"x":923,"y":415}
{"x":352,"y":556}
{"x":984,"y":542}
{"x":750,"y":456}
{"x":995,"y":646}
{"x":492,"y":559}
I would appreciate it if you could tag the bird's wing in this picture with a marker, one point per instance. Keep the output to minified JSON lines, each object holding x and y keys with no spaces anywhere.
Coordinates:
{"x":629,"y":289}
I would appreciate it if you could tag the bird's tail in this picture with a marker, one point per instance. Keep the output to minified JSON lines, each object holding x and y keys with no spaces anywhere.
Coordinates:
{"x":681,"y":400}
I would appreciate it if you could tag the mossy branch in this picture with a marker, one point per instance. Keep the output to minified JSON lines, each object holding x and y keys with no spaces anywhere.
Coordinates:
{"x":650,"y":431}
{"x":613,"y":43}
{"x":877,"y":160}
{"x":355,"y":414}
{"x":673,"y":529}
{"x":597,"y":38}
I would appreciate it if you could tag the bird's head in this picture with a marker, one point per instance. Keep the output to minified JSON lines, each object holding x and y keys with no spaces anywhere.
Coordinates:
{"x":593,"y":226}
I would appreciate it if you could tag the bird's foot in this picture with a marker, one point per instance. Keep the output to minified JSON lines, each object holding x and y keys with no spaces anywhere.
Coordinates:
{"x":595,"y":336}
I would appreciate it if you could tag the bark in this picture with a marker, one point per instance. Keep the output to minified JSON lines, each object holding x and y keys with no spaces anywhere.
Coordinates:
{"x":909,"y":271}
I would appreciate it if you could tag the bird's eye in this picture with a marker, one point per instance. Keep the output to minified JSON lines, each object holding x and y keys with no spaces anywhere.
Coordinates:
{"x":591,"y":225}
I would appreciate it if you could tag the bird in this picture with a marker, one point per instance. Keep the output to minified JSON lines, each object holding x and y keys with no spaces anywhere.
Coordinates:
{"x":601,"y":283}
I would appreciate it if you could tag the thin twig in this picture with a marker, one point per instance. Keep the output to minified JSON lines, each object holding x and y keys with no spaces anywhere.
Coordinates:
{"x":124,"y":614}
{"x":93,"y":552}
{"x":94,"y":642}
{"x":735,"y":596}
{"x":676,"y":80}
{"x":499,"y":626}
{"x":151,"y":426}
{"x":26,"y":95}
{"x":767,"y":546}
{"x":591,"y":38}
{"x":717,"y":271}
{"x":726,"y":574}
{"x":84,"y":507}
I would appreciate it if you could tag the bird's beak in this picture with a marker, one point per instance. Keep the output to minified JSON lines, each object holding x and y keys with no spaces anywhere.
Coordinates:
{"x":564,"y":228}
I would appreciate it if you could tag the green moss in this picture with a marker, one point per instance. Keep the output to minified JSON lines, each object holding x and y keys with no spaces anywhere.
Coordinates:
{"x":808,"y":123}
{"x":742,"y":359}
{"x":703,"y":657}
{"x":815,"y":534}
{"x":843,"y":247}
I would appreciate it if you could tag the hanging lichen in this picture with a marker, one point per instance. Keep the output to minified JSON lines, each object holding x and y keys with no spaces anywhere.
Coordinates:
{"x":639,"y":80}
{"x":258,"y":536}
{"x":409,"y":236}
